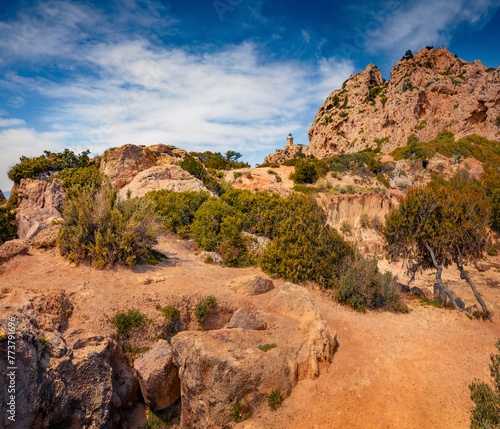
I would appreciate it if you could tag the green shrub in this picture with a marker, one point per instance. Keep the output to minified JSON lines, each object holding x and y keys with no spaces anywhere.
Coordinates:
{"x":172,"y":316}
{"x":203,"y":307}
{"x":422,"y":124}
{"x":241,"y":411}
{"x":275,"y":399}
{"x":305,"y":247}
{"x":266,"y":347}
{"x":305,"y":172}
{"x":408,"y":55}
{"x":495,"y":210}
{"x":8,"y":229}
{"x":497,"y":121}
{"x":362,"y":286}
{"x":14,"y":199}
{"x":101,"y":229}
{"x":217,"y":161}
{"x":193,"y":167}
{"x":345,"y":227}
{"x":218,"y":227}
{"x":493,"y":249}
{"x":30,"y":168}
{"x":126,"y":321}
{"x":364,"y":220}
{"x":81,"y":176}
{"x":305,"y":189}
{"x":177,"y":209}
{"x":486,"y":413}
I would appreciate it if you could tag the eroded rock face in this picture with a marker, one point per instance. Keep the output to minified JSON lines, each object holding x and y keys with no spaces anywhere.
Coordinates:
{"x":123,"y":163}
{"x":158,"y":377}
{"x":217,"y":366}
{"x":75,"y":379}
{"x":170,"y":177}
{"x":431,"y":92}
{"x":12,"y":248}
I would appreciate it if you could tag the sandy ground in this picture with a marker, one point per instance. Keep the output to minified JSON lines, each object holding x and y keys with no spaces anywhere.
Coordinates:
{"x":390,"y":370}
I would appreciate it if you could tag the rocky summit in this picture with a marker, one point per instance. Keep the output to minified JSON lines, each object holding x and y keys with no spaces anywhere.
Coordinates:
{"x":427,"y":93}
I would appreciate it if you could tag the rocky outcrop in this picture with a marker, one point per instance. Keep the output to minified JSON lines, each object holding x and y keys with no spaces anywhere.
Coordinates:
{"x":251,"y":285}
{"x":217,"y":366}
{"x":2,"y":198}
{"x":38,"y":205}
{"x":122,"y":164}
{"x":47,"y":237}
{"x":11,"y":248}
{"x":63,"y":379}
{"x":282,"y":155}
{"x":158,"y":377}
{"x":245,"y":319}
{"x":426,"y":94}
{"x":168,"y":177}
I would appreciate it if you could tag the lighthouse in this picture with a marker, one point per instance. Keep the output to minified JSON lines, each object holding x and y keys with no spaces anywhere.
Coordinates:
{"x":289,"y":140}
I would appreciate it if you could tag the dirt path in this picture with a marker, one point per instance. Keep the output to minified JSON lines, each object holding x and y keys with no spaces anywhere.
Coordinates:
{"x":390,"y":371}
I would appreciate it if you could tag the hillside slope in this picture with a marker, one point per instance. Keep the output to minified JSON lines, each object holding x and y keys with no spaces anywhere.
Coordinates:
{"x":430,"y":92}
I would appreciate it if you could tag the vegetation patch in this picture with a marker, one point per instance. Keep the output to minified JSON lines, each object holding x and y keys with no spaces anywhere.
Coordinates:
{"x":275,"y":400}
{"x":8,"y":228}
{"x":203,"y":307}
{"x":127,"y":321}
{"x":266,"y":347}
{"x":101,"y":229}
{"x":241,"y":412}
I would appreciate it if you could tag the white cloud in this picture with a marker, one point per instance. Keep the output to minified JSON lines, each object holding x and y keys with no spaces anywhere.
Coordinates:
{"x":229,"y":98}
{"x":428,"y":22}
{"x":10,"y":122}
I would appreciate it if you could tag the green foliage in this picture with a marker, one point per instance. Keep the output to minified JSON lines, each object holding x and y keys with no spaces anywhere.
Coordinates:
{"x":266,"y":347}
{"x":305,"y":172}
{"x":446,"y":215}
{"x":495,"y":210}
{"x":194,"y":167}
{"x":493,"y":249}
{"x":30,"y":168}
{"x":346,"y":101}
{"x":364,"y":220}
{"x":373,"y":93}
{"x":348,"y":161}
{"x":241,"y":411}
{"x":14,"y":199}
{"x":218,"y":227}
{"x":345,"y":227}
{"x":8,"y":229}
{"x":81,"y":176}
{"x":486,"y":413}
{"x":407,"y":85}
{"x":129,"y":320}
{"x":217,"y":161}
{"x":408,"y":55}
{"x":159,"y":419}
{"x":305,"y":247}
{"x":497,"y":121}
{"x":177,"y":209}
{"x":203,"y":307}
{"x":101,"y":229}
{"x":275,"y":399}
{"x":422,"y":124}
{"x":172,"y":316}
{"x":362,"y":286}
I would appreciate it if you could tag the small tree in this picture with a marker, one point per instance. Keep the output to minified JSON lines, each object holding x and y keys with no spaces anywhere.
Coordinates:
{"x":441,"y":224}
{"x":408,"y":55}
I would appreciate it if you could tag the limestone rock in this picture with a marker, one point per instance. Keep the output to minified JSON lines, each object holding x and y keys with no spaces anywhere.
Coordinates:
{"x":32,"y":221}
{"x":221,"y":364}
{"x":47,"y":237}
{"x":256,"y":243}
{"x":12,"y":248}
{"x":426,"y":94}
{"x":158,"y":377}
{"x":482,"y":266}
{"x":251,"y":285}
{"x":245,"y":319}
{"x":123,"y":163}
{"x":40,"y":194}
{"x":169,"y":177}
{"x":212,"y":257}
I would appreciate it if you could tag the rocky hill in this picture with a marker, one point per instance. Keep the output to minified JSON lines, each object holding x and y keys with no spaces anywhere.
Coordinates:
{"x":427,"y":93}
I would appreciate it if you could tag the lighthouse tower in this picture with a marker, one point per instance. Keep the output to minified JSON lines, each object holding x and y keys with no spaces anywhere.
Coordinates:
{"x":289,"y":140}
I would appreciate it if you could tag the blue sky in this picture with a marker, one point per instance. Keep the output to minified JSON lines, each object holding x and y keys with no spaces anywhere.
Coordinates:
{"x":204,"y":75}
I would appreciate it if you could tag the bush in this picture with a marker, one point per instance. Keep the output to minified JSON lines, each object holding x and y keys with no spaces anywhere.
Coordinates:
{"x":30,"y":168}
{"x":172,"y":315}
{"x":203,"y":307}
{"x":101,"y":229}
{"x":241,"y":412}
{"x":486,"y":413}
{"x":305,"y":247}
{"x":364,"y":221}
{"x":495,"y":210}
{"x":345,"y":227}
{"x":195,"y":168}
{"x":218,"y":227}
{"x":362,"y":286}
{"x":408,"y":55}
{"x":217,"y":161}
{"x":177,"y":209}
{"x":275,"y":399}
{"x":125,"y":322}
{"x":493,"y":249}
{"x":8,"y":229}
{"x":81,"y":176}
{"x":305,"y":172}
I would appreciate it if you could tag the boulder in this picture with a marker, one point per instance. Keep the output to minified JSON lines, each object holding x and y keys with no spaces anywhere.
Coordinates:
{"x":251,"y":285}
{"x":256,"y":243}
{"x":212,"y":257}
{"x":122,"y":164}
{"x":30,"y":222}
{"x":169,"y":177}
{"x":12,"y":248}
{"x":482,"y":266}
{"x":158,"y":377}
{"x":217,"y":366}
{"x":245,"y":319}
{"x":47,"y":237}
{"x":40,"y":194}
